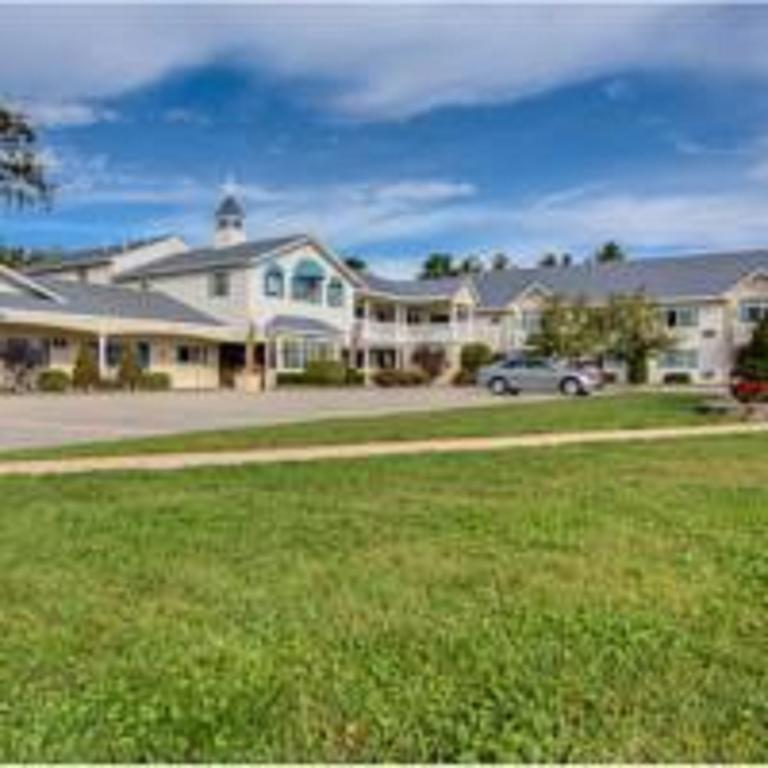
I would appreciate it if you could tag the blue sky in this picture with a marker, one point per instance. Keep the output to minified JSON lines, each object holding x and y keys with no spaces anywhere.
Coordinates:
{"x":391,"y":132}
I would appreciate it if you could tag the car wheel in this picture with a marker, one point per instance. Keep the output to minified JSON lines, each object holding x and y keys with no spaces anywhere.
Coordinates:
{"x":571,"y":387}
{"x":498,"y":386}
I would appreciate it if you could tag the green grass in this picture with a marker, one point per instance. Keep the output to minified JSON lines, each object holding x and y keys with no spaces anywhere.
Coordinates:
{"x":574,"y":604}
{"x":633,"y":411}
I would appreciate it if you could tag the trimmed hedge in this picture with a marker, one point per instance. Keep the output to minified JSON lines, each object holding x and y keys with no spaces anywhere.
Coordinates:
{"x":322,"y":373}
{"x":154,"y":382}
{"x":54,"y":381}
{"x":392,"y":377}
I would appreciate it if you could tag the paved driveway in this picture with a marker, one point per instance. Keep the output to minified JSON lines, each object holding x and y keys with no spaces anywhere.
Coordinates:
{"x":47,"y":420}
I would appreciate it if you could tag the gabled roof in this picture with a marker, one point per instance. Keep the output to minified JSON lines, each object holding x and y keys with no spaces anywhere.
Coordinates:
{"x":437,"y":288}
{"x":75,"y":298}
{"x":698,"y":276}
{"x":201,"y":259}
{"x":89,"y":257}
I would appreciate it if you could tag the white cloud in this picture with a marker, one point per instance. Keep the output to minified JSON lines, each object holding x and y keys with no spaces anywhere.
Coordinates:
{"x":182,"y":116}
{"x":374,"y":61}
{"x":67,"y":114}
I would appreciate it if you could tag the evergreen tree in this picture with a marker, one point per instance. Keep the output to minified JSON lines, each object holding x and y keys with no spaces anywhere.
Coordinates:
{"x":752,"y":359}
{"x":86,"y":371}
{"x":129,"y":371}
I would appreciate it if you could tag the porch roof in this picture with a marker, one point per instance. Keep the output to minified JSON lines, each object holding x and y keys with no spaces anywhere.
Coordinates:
{"x":301,"y":326}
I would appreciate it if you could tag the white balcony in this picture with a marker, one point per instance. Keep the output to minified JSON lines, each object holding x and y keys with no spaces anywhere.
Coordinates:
{"x":381,"y":333}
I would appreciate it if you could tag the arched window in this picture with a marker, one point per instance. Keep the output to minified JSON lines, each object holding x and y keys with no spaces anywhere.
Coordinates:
{"x":335,"y":293}
{"x":307,"y":282}
{"x":274,"y":282}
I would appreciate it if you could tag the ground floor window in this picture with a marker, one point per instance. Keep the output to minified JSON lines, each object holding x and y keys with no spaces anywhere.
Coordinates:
{"x":191,"y":354}
{"x":679,"y":359}
{"x":296,"y":353}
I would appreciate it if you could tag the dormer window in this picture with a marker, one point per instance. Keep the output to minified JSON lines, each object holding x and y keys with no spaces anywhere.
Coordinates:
{"x":274,"y":282}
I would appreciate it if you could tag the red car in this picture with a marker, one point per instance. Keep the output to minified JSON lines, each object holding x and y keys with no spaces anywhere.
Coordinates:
{"x":748,"y":390}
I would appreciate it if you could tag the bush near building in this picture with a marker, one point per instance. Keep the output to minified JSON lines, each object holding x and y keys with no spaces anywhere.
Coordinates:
{"x":129,"y":372}
{"x":54,"y":381}
{"x":393,"y":377}
{"x":85,"y":375}
{"x":322,"y":373}
{"x":153,"y":382}
{"x":752,"y":359}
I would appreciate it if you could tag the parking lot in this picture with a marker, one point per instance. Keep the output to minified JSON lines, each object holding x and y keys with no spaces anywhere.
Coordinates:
{"x":48,"y":420}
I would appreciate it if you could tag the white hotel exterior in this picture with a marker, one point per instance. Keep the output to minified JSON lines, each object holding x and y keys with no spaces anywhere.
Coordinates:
{"x":207,"y":317}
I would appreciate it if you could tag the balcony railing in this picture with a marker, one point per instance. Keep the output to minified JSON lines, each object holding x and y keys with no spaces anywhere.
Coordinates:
{"x":377,"y":332}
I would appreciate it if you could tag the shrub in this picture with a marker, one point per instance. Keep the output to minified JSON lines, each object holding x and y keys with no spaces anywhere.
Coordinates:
{"x":154,"y":382}
{"x":322,"y":373}
{"x":431,"y":359}
{"x":129,"y":372}
{"x":464,"y":378}
{"x":54,"y":381}
{"x":677,"y":378}
{"x":475,"y":356}
{"x":85,"y":374}
{"x":325,"y":373}
{"x":392,"y":377}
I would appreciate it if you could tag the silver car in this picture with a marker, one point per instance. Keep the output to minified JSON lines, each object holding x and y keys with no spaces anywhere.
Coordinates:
{"x":533,"y":374}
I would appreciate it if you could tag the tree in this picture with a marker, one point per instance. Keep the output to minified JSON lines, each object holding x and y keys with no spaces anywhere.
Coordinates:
{"x":438,"y":265}
{"x":752,"y":359}
{"x":633,"y":330}
{"x":471,"y":265}
{"x":475,"y":356}
{"x":500,"y":261}
{"x":356,"y":263}
{"x":568,"y":329}
{"x":548,"y":260}
{"x":566,"y":260}
{"x":22,"y":172}
{"x":610,"y":252}
{"x":85,"y":374}
{"x":129,"y":371}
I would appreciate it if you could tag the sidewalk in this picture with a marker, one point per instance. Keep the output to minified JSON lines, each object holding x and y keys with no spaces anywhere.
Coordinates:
{"x":165,"y":462}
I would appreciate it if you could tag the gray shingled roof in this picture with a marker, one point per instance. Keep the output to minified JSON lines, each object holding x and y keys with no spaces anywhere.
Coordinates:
{"x":88,"y":257}
{"x":105,"y":301}
{"x":438,"y":288}
{"x":698,"y":276}
{"x":303,"y":325}
{"x":207,"y":258}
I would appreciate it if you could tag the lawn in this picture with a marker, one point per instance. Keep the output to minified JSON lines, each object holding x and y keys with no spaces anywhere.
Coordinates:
{"x":633,"y":411}
{"x":587,"y":603}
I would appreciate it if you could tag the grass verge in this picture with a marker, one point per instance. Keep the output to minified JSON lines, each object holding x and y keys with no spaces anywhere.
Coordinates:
{"x":634,"y":411}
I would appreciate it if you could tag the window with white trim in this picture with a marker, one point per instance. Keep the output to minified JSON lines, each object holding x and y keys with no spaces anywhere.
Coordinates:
{"x":679,"y":359}
{"x":274,"y":282}
{"x":752,"y":311}
{"x":219,"y":284}
{"x":681,"y":317}
{"x":335,"y":292}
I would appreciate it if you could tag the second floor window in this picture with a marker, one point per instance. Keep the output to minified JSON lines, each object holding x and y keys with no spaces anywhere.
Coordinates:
{"x":307,"y":282}
{"x":531,"y":321}
{"x":681,"y":317}
{"x":218,"y":285}
{"x":274,"y":282}
{"x":335,"y":293}
{"x":753,"y":310}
